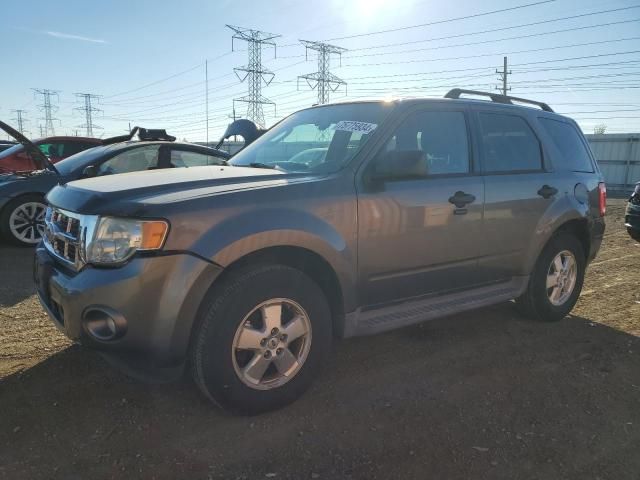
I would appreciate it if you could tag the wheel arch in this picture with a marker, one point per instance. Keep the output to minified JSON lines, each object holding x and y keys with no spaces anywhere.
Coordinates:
{"x":307,"y":261}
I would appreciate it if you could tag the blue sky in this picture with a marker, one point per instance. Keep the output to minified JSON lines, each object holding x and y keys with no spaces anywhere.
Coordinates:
{"x":146,"y":58}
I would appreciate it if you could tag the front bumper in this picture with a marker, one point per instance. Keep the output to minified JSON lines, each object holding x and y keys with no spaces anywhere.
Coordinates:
{"x":158,"y":297}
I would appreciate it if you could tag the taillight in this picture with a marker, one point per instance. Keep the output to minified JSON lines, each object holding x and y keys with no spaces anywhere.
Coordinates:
{"x":602,"y":198}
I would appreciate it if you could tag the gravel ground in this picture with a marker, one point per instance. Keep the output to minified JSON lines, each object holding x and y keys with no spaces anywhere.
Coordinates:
{"x":483,"y":395}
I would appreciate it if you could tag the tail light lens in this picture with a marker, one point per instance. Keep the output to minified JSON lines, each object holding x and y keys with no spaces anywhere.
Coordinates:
{"x":602,"y":198}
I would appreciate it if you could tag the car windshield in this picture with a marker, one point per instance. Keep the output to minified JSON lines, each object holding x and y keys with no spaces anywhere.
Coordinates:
{"x":81,"y":159}
{"x":321,"y":139}
{"x":10,"y":151}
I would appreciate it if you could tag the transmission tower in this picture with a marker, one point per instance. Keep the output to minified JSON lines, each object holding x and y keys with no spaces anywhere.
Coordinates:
{"x":254,"y":71}
{"x":323,"y":79}
{"x":20,"y":120}
{"x":503,"y":77}
{"x":48,"y":109}
{"x":88,"y":110}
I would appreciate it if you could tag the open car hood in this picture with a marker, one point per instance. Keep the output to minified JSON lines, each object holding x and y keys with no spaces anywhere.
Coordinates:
{"x":244,"y":128}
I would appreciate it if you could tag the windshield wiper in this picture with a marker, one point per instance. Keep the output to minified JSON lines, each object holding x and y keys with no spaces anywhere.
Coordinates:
{"x":261,"y":165}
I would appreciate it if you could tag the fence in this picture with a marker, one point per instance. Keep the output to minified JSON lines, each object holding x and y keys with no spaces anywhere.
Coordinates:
{"x":619,"y":158}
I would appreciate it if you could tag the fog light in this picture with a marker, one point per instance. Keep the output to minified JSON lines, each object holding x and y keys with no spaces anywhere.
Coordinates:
{"x":103,"y":323}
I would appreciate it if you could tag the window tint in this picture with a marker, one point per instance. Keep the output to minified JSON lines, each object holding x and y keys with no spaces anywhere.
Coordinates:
{"x":141,"y":158}
{"x":440,"y":136}
{"x":509,"y":144}
{"x":182,"y":158}
{"x":71,"y":148}
{"x":573,"y":154}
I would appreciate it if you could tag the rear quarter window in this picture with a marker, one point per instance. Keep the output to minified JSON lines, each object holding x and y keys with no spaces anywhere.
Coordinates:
{"x":573,"y":154}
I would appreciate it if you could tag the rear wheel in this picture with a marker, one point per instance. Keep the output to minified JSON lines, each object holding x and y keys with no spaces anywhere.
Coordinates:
{"x":633,"y":233}
{"x":556,"y":281}
{"x":22,"y":220}
{"x":262,"y":337}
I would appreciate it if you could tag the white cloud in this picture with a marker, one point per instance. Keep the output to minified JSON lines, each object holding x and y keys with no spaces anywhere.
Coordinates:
{"x":69,"y":36}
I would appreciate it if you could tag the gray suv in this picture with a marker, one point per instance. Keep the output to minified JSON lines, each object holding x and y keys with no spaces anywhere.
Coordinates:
{"x":341,"y":220}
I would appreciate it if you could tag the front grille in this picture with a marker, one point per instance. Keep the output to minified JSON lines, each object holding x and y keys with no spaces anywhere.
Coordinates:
{"x":64,"y":235}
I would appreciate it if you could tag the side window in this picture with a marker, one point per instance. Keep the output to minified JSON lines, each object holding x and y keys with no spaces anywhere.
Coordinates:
{"x":509,"y":144}
{"x":52,"y":150}
{"x":136,"y":159}
{"x":573,"y":153}
{"x":71,"y":148}
{"x":183,"y":158}
{"x":439,"y":138}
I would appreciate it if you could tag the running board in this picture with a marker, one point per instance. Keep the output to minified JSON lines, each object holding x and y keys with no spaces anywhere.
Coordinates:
{"x":389,"y":317}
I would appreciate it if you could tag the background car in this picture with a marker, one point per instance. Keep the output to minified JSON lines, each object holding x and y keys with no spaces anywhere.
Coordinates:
{"x":22,"y":205}
{"x":16,"y":159}
{"x":632,"y":214}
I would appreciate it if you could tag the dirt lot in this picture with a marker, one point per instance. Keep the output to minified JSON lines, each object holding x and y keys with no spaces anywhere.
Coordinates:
{"x":476,"y":396}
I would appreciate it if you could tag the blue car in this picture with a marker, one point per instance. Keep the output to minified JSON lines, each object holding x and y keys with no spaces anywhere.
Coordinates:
{"x":22,"y":204}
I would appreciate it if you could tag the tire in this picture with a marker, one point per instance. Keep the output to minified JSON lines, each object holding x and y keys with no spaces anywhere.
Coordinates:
{"x":30,"y":208}
{"x":536,"y":302}
{"x":217,"y":365}
{"x":634,"y":234}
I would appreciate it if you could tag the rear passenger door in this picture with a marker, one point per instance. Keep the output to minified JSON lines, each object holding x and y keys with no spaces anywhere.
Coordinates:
{"x":518,"y":190}
{"x":412,"y":239}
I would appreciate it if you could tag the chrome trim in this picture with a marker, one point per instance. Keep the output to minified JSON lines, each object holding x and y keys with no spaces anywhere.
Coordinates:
{"x":53,"y":232}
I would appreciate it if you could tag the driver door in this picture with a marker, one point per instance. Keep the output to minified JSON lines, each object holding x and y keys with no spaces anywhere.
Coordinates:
{"x":412,"y":240}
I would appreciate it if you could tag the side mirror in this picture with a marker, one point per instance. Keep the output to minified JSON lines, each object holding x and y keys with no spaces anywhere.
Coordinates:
{"x":399,"y":165}
{"x":89,"y":171}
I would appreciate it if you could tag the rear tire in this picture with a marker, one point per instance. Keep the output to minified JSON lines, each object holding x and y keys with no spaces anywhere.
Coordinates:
{"x":236,"y":329}
{"x":22,"y":220}
{"x":633,"y":233}
{"x":551,"y":294}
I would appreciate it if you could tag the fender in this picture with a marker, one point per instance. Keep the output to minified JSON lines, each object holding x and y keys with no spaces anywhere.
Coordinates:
{"x":565,"y":209}
{"x":257,"y":229}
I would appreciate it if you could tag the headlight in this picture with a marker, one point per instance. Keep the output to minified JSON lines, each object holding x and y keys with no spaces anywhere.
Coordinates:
{"x":116,"y":239}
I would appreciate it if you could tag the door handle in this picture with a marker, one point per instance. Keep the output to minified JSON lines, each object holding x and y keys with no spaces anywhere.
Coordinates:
{"x":546,"y":191}
{"x":460,"y":199}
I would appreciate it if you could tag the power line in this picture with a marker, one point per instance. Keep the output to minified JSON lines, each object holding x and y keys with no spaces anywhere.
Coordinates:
{"x":512,"y":27}
{"x":254,"y":70}
{"x":325,"y":81}
{"x":439,"y":22}
{"x":47,"y":108}
{"x":88,"y":110}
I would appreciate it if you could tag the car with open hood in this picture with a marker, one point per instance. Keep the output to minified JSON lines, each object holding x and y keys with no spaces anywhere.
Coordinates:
{"x":632,"y":214}
{"x":22,"y":203}
{"x":16,"y":159}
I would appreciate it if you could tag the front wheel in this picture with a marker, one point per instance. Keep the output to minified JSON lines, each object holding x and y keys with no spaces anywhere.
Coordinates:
{"x":556,"y":281}
{"x":22,"y":220}
{"x":261,"y":338}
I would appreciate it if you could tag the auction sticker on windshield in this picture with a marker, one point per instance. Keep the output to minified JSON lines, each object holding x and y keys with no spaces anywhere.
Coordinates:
{"x":353,"y":126}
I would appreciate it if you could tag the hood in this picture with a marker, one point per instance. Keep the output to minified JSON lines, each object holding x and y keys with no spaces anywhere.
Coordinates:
{"x":117,"y":194}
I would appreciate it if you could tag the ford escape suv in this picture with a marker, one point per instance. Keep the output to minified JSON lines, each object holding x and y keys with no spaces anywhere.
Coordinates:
{"x":341,"y":220}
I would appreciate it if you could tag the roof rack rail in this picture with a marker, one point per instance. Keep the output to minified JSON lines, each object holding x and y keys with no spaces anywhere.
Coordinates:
{"x":496,"y":97}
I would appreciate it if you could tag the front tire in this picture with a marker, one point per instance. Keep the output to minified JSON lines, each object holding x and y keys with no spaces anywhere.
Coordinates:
{"x":22,"y":220}
{"x":262,"y":336}
{"x":556,"y":281}
{"x":634,"y":234}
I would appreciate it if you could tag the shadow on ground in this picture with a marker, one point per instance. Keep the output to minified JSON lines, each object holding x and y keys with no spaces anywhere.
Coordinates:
{"x":481,"y":395}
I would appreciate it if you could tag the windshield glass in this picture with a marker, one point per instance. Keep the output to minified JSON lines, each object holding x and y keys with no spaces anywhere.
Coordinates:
{"x":319,"y":139}
{"x":10,"y":151}
{"x":80,"y":160}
